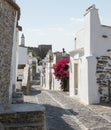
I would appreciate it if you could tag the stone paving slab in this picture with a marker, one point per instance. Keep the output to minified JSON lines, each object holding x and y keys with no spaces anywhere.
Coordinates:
{"x":86,"y":116}
{"x":103,"y":110}
{"x":57,"y":118}
{"x":22,"y":116}
{"x":66,"y":113}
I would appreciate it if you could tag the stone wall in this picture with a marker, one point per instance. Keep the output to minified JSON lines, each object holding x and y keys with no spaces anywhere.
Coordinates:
{"x":7,"y":20}
{"x":103,"y":76}
{"x":22,"y":117}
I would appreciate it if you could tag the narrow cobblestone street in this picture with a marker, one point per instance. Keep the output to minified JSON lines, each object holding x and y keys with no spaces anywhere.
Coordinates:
{"x":66,"y":113}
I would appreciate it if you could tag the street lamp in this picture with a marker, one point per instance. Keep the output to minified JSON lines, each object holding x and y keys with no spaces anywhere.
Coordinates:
{"x":63,"y":53}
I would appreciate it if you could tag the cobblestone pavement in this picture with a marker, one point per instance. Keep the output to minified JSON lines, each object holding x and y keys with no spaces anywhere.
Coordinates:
{"x":66,"y":113}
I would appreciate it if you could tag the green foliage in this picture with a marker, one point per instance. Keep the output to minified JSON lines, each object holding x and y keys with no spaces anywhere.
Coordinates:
{"x":34,"y":65}
{"x":34,"y":54}
{"x":38,"y":58}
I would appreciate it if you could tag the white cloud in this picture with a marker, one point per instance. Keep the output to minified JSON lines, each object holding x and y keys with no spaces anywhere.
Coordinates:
{"x":76,"y":19}
{"x":72,"y":19}
{"x":55,"y":29}
{"x":72,"y":34}
{"x":33,"y":29}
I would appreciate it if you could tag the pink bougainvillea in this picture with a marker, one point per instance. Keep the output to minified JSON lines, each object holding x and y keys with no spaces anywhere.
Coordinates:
{"x":61,"y":71}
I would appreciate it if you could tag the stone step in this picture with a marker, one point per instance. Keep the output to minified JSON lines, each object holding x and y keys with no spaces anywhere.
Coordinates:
{"x":17,"y":98}
{"x":22,"y":116}
{"x":24,"y":126}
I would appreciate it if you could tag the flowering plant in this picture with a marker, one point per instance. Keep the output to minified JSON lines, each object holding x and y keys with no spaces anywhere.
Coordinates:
{"x":61,"y":71}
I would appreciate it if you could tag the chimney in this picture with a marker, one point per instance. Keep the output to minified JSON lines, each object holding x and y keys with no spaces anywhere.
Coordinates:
{"x":92,"y":27}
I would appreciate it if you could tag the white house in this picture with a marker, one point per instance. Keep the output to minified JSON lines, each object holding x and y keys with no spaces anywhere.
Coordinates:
{"x":33,"y":64}
{"x":22,"y":60}
{"x":42,"y":72}
{"x":56,"y":83}
{"x":90,"y":61}
{"x":32,"y":60}
{"x":57,"y":56}
{"x":22,"y":52}
{"x":48,"y":70}
{"x":50,"y":81}
{"x":14,"y":64}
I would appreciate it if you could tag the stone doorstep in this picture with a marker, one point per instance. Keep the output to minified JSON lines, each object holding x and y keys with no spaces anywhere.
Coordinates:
{"x":24,"y":128}
{"x":17,"y":94}
{"x":17,"y":100}
{"x":16,"y":108}
{"x":24,"y":125}
{"x":22,"y":117}
{"x":17,"y":97}
{"x":17,"y":116}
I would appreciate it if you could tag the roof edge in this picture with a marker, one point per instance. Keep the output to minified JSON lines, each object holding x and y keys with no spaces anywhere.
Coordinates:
{"x":15,"y":6}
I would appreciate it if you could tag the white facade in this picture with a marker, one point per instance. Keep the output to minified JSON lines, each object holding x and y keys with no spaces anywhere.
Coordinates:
{"x":14,"y":61}
{"x":91,"y":42}
{"x":25,"y":75}
{"x":50,"y":81}
{"x":32,"y":60}
{"x":22,"y":57}
{"x":47,"y":77}
{"x":46,"y":73}
{"x":55,"y":83}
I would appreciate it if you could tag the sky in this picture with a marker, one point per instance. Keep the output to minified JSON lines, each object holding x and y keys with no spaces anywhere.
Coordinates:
{"x":56,"y":22}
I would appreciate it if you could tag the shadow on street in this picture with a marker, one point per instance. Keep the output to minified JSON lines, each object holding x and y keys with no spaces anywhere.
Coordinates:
{"x":34,"y":92}
{"x":56,"y":118}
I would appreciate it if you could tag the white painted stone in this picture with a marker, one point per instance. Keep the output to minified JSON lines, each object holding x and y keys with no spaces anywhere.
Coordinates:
{"x":22,"y":58}
{"x":90,"y":43}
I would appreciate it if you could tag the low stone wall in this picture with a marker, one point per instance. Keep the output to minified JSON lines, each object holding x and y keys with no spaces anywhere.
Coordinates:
{"x":22,"y":117}
{"x":26,"y":81}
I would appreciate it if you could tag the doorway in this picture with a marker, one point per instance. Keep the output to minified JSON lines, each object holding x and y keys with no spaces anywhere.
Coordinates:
{"x":76,"y":78}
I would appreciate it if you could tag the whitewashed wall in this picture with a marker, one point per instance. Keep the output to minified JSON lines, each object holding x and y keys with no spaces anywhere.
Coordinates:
{"x":14,"y":61}
{"x":22,"y":57}
{"x":47,"y":76}
{"x":94,"y":44}
{"x":55,"y":83}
